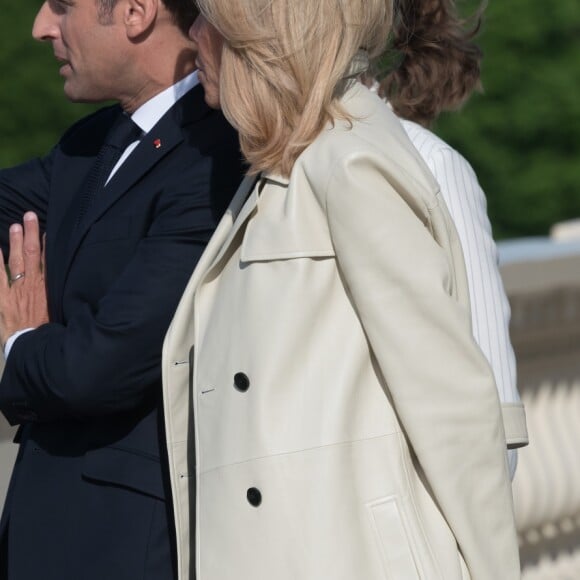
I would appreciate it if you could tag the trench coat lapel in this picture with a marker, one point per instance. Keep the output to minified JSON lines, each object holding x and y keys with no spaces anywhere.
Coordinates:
{"x":175,"y":339}
{"x":241,"y":208}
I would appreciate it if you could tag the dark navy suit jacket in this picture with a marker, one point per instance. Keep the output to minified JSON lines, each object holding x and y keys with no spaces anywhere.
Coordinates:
{"x":89,"y":498}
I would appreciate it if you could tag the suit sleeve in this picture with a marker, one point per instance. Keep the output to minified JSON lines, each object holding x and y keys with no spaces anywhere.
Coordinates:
{"x":106,"y":359}
{"x":24,"y":188}
{"x":400,"y":281}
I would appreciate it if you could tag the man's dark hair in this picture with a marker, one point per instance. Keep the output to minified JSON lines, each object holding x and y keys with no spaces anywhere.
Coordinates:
{"x":184,"y":11}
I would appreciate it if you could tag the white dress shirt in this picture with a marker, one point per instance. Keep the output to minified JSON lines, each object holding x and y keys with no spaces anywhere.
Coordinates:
{"x":145,"y":117}
{"x":490,"y":311}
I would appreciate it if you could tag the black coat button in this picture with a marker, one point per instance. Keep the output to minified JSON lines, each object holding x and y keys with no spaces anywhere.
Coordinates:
{"x":254,"y":496}
{"x":241,"y":382}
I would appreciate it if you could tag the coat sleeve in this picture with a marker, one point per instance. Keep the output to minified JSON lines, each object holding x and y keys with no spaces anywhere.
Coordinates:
{"x":490,"y":310}
{"x":106,"y":358}
{"x":401,"y":284}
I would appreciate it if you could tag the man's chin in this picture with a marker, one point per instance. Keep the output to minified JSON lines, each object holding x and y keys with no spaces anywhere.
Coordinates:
{"x":71,"y":92}
{"x":74,"y":95}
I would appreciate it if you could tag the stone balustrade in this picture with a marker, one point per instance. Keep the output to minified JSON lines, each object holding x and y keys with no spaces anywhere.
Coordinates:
{"x":545,"y":329}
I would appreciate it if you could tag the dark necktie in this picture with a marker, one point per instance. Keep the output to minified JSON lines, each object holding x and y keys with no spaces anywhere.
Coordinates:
{"x":123,"y":132}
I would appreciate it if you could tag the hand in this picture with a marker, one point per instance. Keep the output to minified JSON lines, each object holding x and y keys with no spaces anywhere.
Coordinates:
{"x":23,"y":294}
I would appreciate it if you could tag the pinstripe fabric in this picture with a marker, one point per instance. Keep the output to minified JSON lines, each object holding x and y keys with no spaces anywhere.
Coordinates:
{"x":490,"y":310}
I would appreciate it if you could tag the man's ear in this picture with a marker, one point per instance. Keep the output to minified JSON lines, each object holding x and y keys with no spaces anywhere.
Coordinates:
{"x":139,"y":16}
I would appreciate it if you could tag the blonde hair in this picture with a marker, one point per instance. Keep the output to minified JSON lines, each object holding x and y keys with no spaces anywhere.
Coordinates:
{"x":283,"y":69}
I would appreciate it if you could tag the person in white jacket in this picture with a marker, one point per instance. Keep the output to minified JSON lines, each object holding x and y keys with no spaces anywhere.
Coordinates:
{"x":437,"y":69}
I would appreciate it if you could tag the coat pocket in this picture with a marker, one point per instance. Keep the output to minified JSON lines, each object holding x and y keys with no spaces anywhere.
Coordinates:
{"x":125,"y":469}
{"x":393,"y":539}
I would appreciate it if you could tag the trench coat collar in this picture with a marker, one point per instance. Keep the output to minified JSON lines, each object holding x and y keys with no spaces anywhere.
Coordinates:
{"x":241,"y":207}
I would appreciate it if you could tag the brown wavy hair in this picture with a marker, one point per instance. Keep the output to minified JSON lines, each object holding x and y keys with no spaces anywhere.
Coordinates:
{"x":437,"y":64}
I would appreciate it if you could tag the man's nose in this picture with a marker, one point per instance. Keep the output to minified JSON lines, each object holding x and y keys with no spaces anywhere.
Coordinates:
{"x":45,"y":25}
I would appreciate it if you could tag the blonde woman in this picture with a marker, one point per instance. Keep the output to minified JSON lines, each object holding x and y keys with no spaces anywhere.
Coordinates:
{"x":329,"y":416}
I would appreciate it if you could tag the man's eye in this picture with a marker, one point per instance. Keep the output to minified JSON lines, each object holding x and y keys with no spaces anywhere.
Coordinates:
{"x":60,"y":6}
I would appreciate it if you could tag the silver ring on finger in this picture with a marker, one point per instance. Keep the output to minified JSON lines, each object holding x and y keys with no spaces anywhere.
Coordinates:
{"x":17,"y":277}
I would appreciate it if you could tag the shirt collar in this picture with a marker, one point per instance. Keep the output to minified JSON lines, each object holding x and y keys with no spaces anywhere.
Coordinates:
{"x":149,"y":113}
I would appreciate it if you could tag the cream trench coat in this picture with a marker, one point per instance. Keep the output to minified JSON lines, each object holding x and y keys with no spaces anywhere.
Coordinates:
{"x":328,"y":414}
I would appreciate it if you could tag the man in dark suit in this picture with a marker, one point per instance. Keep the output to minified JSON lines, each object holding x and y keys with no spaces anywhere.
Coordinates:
{"x":89,"y":498}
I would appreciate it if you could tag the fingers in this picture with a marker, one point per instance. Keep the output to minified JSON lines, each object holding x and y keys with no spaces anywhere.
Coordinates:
{"x":32,"y":251}
{"x":25,"y":252}
{"x":16,"y":256}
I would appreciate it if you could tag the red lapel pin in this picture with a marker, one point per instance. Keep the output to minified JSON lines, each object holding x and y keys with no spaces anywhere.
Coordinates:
{"x":157,"y":143}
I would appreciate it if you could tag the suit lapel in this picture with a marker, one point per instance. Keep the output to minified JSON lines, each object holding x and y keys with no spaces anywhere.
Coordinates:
{"x":141,"y":160}
{"x":78,"y":153}
{"x":155,"y":145}
{"x":165,"y":136}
